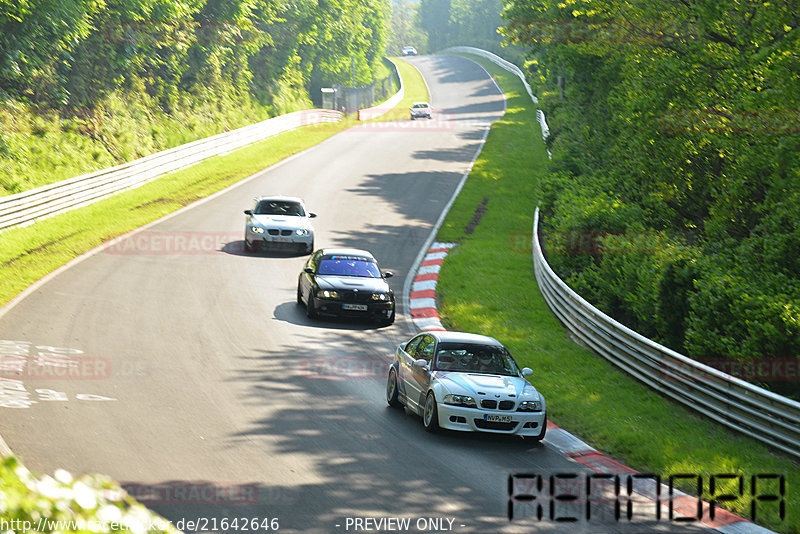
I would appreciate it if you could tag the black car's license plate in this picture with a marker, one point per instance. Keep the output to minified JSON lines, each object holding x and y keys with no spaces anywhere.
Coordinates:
{"x":354,"y":307}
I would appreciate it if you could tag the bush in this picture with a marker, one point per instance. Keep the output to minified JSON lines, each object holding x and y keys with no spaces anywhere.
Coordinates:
{"x":62,"y":503}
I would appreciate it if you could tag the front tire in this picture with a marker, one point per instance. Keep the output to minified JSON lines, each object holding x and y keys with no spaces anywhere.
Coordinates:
{"x":311,"y":311}
{"x":540,"y":437}
{"x":387,"y":321}
{"x":248,"y":247}
{"x":430,"y":417}
{"x":299,"y":295}
{"x":391,"y":390}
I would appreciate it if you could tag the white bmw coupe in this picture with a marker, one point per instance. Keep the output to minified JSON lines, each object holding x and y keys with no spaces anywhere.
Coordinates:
{"x":279,"y":222}
{"x":467,"y":382}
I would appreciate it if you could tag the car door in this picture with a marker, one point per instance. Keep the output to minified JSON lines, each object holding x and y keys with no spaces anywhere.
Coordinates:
{"x":405,"y":360}
{"x":306,"y":279}
{"x":419,"y":376}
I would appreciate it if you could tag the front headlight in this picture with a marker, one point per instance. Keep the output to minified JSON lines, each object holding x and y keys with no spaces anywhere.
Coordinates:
{"x":530,"y":406}
{"x":256,"y":229}
{"x":327,"y":294}
{"x":460,"y":400}
{"x":383,"y":297}
{"x":301,"y":231}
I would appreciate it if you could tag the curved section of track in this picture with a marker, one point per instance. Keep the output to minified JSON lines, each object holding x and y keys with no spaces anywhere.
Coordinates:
{"x":205,"y":389}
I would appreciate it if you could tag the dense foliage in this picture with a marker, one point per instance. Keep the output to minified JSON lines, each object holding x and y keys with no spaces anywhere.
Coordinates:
{"x":63,"y":503}
{"x":464,"y":23}
{"x":673,"y":199}
{"x":108,"y":70}
{"x":405,"y":30}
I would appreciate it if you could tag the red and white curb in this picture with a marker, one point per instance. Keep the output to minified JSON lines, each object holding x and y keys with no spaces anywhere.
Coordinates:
{"x":425,"y":316}
{"x":422,"y":299}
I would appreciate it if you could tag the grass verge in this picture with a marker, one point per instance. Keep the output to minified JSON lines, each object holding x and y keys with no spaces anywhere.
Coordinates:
{"x":487,"y":286}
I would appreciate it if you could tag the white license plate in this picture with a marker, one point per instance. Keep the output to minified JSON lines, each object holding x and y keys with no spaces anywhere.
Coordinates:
{"x":277,"y":239}
{"x":354,"y":307}
{"x":497,"y":418}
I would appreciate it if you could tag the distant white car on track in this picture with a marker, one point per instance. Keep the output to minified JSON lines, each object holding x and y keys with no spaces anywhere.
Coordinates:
{"x":409,"y":51}
{"x":420,"y":110}
{"x":467,"y":382}
{"x":279,"y":222}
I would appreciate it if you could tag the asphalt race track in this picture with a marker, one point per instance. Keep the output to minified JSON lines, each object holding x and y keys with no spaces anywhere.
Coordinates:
{"x":206,"y":391}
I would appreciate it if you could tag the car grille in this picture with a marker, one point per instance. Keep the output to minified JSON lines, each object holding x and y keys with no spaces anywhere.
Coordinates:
{"x":506,"y":405}
{"x":491,"y":404}
{"x":276,"y":231}
{"x":353,"y":296}
{"x":486,"y":425}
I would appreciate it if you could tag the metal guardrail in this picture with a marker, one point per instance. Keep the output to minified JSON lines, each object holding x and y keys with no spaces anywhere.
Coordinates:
{"x":510,"y":67}
{"x":381,"y":109}
{"x":761,"y":414}
{"x":28,"y":206}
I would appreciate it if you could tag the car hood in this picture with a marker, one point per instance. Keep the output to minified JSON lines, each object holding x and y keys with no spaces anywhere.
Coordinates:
{"x":350,"y":283}
{"x":281,"y":221}
{"x":487,"y":386}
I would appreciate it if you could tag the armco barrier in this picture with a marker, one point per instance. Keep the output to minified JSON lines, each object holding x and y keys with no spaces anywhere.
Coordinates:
{"x":749,"y":409}
{"x":380,"y":109}
{"x":26,"y":207}
{"x":510,"y":67}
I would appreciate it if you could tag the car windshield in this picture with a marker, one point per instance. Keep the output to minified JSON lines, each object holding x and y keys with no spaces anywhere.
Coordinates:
{"x":475,"y":358}
{"x":420,"y":105}
{"x":348,"y":266}
{"x":279,"y":207}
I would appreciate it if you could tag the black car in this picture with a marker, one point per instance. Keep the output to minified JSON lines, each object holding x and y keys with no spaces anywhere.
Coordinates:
{"x":345,"y":282}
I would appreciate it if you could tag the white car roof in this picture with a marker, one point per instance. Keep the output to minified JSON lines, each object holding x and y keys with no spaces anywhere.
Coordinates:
{"x":464,"y":337}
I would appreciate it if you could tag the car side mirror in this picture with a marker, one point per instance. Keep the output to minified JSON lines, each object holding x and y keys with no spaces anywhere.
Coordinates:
{"x":527,"y":371}
{"x":308,"y":270}
{"x":422,"y":363}
{"x":312,"y":215}
{"x":248,"y":212}
{"x":387,"y":274}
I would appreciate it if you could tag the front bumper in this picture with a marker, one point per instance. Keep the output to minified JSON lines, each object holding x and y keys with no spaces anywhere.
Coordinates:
{"x":473,"y":420}
{"x":375,"y":310}
{"x":267,"y":240}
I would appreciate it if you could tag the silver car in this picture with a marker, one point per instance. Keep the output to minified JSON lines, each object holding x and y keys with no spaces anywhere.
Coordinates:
{"x":279,"y":222}
{"x":420,"y":110}
{"x":467,"y":382}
